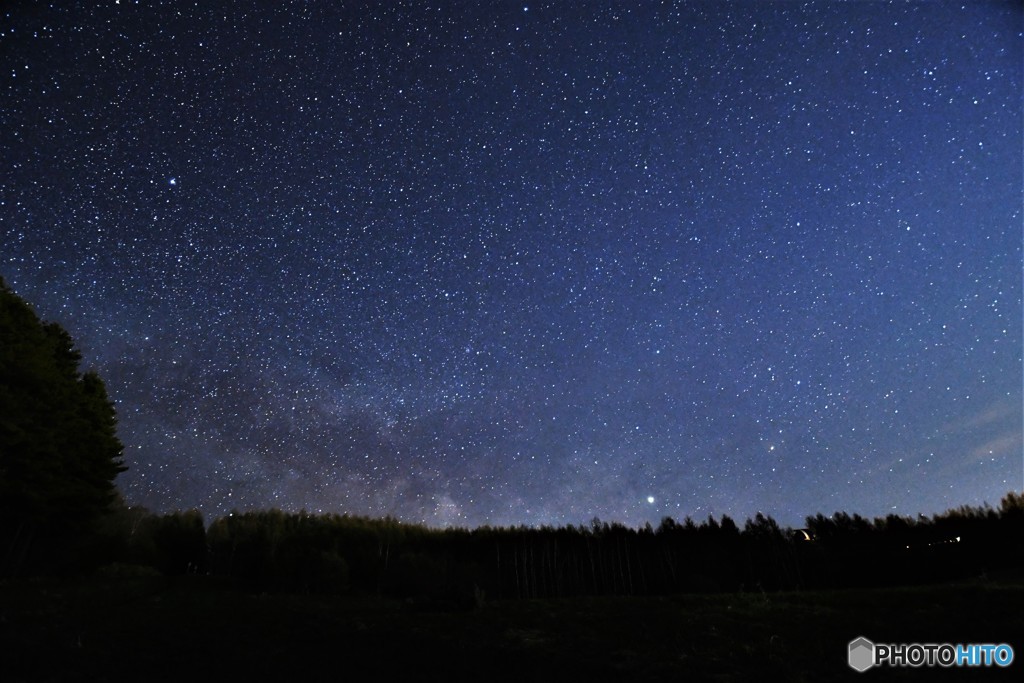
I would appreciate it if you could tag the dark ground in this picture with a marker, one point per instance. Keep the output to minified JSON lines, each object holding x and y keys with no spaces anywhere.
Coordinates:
{"x":193,"y":629}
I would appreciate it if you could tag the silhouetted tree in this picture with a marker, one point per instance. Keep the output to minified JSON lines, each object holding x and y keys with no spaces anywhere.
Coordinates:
{"x":180,"y":543}
{"x":59,"y":451}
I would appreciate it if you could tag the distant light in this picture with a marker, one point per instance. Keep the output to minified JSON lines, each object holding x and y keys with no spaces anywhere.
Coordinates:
{"x":650,"y":499}
{"x":173,"y":181}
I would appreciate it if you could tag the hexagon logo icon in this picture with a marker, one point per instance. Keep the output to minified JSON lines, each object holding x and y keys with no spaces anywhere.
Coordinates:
{"x":862,"y":654}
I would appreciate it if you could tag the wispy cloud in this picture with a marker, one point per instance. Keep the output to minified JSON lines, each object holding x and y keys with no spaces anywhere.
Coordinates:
{"x":991,"y":414}
{"x":1003,"y":445}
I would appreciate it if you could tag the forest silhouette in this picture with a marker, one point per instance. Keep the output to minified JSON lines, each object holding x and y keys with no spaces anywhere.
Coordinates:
{"x":275,"y":551}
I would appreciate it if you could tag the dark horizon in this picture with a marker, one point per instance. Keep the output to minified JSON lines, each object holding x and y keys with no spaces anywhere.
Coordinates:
{"x":801,"y":524}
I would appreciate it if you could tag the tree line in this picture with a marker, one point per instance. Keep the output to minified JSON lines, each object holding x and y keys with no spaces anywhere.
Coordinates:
{"x":275,"y":551}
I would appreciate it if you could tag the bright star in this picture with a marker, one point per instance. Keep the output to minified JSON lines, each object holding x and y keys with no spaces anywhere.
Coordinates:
{"x":650,"y":499}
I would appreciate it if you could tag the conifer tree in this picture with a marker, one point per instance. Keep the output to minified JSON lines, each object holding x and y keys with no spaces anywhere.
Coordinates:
{"x":59,"y":451}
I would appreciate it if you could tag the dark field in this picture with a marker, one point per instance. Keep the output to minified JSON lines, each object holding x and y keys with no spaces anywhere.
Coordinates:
{"x":193,"y":629}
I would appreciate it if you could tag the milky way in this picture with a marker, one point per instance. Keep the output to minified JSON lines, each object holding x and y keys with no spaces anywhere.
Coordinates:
{"x":531,"y":263}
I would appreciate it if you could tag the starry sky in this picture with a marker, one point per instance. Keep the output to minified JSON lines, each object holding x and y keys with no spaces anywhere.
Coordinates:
{"x":531,"y":263}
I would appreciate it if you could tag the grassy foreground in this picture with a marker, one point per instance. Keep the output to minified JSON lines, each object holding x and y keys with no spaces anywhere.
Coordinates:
{"x":156,"y":629}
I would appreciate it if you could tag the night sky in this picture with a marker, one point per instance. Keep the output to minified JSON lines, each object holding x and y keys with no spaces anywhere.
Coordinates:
{"x":531,"y":263}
